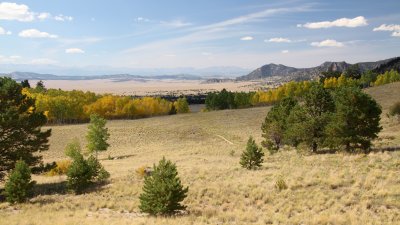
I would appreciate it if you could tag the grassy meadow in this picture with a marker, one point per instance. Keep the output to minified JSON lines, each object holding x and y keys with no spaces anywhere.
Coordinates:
{"x":321,"y":189}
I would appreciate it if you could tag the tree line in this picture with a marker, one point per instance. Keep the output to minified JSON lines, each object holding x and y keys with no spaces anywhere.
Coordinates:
{"x":61,"y":106}
{"x":352,"y":77}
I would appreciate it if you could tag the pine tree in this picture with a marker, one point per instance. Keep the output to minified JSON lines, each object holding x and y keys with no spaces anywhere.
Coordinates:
{"x":308,"y":122}
{"x":275,"y":123}
{"x":162,"y":190}
{"x":19,"y":184}
{"x":356,"y":121}
{"x":20,"y":123}
{"x":252,"y":157}
{"x":97,"y":135}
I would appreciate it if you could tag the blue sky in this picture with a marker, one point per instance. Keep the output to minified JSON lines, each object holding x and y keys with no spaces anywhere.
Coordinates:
{"x":125,"y":36}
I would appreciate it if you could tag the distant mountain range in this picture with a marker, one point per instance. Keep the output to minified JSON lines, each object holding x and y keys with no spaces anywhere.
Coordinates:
{"x":115,"y":77}
{"x":287,"y":73}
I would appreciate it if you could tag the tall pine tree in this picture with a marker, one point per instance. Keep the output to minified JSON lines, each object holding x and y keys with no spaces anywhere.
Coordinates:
{"x":20,"y":127}
{"x":97,"y":135}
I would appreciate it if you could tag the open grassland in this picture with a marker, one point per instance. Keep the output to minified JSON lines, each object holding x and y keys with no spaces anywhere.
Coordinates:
{"x":322,"y":189}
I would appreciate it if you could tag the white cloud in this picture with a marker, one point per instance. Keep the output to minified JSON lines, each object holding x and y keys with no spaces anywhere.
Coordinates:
{"x":278,"y":40}
{"x":33,"y":33}
{"x":327,"y":43}
{"x":14,"y":11}
{"x":343,"y":22}
{"x":142,"y":19}
{"x":4,"y":32}
{"x":206,"y":53}
{"x":394,"y":28}
{"x":176,"y":23}
{"x":43,"y":16}
{"x":74,"y":51}
{"x":285,"y":51}
{"x":43,"y":61}
{"x":390,"y":27}
{"x":247,"y":38}
{"x":9,"y":59}
{"x":63,"y":18}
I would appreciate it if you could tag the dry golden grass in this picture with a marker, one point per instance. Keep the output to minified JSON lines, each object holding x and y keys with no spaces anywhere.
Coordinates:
{"x":321,"y":189}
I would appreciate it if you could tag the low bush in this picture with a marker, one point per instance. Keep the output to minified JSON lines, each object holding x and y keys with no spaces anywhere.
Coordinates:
{"x":19,"y":183}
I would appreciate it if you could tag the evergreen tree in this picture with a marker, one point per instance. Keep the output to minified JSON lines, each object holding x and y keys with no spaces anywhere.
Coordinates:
{"x":252,"y":157}
{"x":308,"y":122}
{"x":356,"y":120}
{"x":97,"y":135}
{"x":353,"y":72}
{"x":79,"y":174}
{"x":19,"y":184}
{"x":275,"y":124}
{"x":40,"y":86}
{"x":20,"y":127}
{"x":162,"y":190}
{"x":25,"y":84}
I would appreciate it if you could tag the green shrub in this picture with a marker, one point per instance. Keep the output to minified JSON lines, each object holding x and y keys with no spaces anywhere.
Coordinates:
{"x":79,"y":174}
{"x":99,"y":174}
{"x":19,"y":184}
{"x":162,"y":190}
{"x":252,"y":157}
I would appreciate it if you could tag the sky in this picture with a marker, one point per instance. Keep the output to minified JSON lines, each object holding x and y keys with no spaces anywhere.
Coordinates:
{"x":124,"y":36}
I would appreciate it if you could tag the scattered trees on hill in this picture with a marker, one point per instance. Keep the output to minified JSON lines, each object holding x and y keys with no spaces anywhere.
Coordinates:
{"x":20,"y":127}
{"x":388,"y":77}
{"x":97,"y":135}
{"x":349,"y":120}
{"x":252,"y":157}
{"x":162,"y":190}
{"x":19,"y":184}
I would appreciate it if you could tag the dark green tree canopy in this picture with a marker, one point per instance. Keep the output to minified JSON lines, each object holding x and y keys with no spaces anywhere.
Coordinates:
{"x":162,"y":190}
{"x":307,"y":122}
{"x":275,"y":123}
{"x":20,"y":127}
{"x":356,"y":121}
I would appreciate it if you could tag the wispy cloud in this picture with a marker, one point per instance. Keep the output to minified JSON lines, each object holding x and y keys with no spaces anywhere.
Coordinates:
{"x":43,"y":61}
{"x":247,"y":38}
{"x":176,"y":23}
{"x":285,"y":51}
{"x":74,"y":51}
{"x":9,"y":59}
{"x":34,"y":33}
{"x":63,"y":18}
{"x":4,"y":31}
{"x":327,"y":43}
{"x":278,"y":40}
{"x":394,"y":28}
{"x":343,"y":22}
{"x":214,"y":31}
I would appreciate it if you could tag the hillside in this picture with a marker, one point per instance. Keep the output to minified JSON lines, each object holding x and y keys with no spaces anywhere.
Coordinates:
{"x":322,"y":189}
{"x":290,"y":73}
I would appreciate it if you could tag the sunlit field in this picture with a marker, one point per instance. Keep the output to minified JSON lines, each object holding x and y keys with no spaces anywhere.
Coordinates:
{"x":321,"y":189}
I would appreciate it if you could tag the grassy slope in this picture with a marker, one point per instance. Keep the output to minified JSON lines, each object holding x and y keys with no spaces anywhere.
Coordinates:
{"x":323,"y":189}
